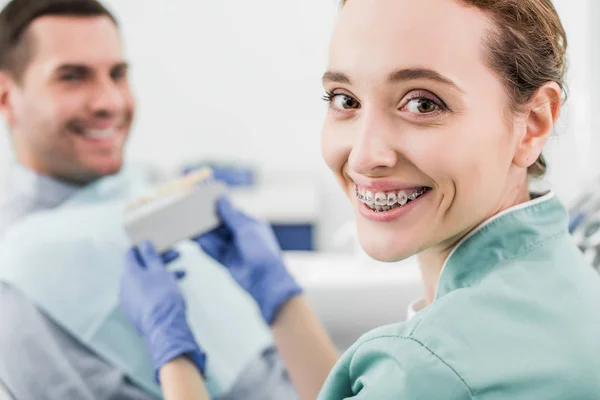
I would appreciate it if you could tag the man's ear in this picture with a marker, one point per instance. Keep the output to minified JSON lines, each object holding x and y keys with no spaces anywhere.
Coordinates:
{"x":540,"y":113}
{"x":7,"y":84}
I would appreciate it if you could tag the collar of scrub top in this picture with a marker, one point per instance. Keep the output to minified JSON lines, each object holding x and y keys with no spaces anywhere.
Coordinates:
{"x":503,"y":237}
{"x":26,"y":185}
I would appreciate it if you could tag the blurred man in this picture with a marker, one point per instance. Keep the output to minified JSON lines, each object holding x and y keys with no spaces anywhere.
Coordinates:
{"x":65,"y":95}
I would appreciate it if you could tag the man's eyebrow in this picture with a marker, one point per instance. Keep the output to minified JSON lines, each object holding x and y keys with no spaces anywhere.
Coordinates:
{"x":120,"y":65}
{"x":72,"y":68}
{"x":82,"y":68}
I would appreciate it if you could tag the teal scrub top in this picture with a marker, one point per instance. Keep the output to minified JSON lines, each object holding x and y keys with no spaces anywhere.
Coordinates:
{"x":516,"y":316}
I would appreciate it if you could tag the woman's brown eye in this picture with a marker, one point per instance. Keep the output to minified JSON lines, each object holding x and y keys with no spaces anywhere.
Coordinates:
{"x":421,"y":106}
{"x":344,"y":102}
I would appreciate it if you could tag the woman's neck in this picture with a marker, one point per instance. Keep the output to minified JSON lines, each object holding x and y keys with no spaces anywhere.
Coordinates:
{"x":431,"y":263}
{"x":432,"y":260}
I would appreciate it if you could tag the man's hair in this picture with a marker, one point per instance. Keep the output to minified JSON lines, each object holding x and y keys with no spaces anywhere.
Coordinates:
{"x":16,"y":48}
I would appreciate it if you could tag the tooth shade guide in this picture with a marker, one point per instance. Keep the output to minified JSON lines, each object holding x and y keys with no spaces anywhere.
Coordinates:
{"x":186,"y":182}
{"x":176,"y":186}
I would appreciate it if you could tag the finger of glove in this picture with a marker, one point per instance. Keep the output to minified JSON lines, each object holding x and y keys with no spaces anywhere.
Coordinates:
{"x":134,"y":260}
{"x":215,"y":242}
{"x":221,"y":232}
{"x":149,"y":255}
{"x":178,"y":275}
{"x":211,"y":246}
{"x":228,"y":214}
{"x":169,"y":256}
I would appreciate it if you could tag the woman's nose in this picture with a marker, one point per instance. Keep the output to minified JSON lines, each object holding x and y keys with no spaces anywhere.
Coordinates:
{"x":373,"y":151}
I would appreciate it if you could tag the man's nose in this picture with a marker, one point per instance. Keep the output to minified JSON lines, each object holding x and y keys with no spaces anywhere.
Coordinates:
{"x":107,"y":97}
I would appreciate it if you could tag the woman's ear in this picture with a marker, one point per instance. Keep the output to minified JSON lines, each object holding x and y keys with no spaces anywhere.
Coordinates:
{"x":540,"y":115}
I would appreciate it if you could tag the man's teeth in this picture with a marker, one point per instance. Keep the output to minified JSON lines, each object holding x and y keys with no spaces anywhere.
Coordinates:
{"x":99,"y":133}
{"x":381,"y":201}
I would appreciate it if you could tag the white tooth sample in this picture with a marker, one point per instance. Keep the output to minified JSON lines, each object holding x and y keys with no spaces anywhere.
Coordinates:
{"x":369,"y":198}
{"x":380,"y":199}
{"x":391,"y":199}
{"x":402,"y":197}
{"x":413,"y":195}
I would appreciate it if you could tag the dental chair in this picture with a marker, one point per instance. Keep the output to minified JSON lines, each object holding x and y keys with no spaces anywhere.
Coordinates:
{"x":585,"y":224}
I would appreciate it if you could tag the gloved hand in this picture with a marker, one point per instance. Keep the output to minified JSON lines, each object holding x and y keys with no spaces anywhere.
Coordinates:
{"x":249,"y":250}
{"x":150,"y":297}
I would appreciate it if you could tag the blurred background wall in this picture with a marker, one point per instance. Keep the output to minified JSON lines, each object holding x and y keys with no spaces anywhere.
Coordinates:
{"x":239,"y":81}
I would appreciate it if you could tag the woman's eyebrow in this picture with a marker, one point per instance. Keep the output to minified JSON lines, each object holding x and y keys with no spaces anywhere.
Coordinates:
{"x":401,"y":75}
{"x":409,"y":74}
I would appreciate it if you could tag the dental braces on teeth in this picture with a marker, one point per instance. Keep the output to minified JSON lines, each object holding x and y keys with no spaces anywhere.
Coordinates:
{"x":384,"y":202}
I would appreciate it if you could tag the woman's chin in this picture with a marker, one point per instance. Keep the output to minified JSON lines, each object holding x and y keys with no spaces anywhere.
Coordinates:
{"x":386,"y":251}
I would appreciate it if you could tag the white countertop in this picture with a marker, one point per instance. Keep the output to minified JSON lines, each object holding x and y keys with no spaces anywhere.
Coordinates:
{"x":353,"y":294}
{"x":316,"y":269}
{"x":291,"y":202}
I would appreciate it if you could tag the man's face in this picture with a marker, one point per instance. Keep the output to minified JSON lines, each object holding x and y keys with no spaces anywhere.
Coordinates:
{"x":72,"y":111}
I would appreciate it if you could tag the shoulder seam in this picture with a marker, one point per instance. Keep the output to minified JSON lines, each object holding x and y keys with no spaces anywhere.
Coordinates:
{"x":412,"y":339}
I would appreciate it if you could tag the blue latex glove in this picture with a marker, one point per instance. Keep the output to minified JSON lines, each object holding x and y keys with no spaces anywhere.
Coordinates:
{"x":576,"y":221}
{"x":249,"y":250}
{"x":151,"y":298}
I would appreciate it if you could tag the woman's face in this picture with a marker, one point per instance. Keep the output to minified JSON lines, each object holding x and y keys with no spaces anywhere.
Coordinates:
{"x":416,"y":113}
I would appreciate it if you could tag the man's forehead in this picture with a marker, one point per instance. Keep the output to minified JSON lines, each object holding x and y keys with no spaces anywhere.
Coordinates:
{"x":76,"y":40}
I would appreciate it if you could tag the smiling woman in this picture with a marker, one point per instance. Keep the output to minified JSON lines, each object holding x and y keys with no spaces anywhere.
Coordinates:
{"x":416,"y":110}
{"x":438,"y":114}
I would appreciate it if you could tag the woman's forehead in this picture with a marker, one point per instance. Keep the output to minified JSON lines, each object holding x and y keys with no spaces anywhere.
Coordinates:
{"x":375,"y":37}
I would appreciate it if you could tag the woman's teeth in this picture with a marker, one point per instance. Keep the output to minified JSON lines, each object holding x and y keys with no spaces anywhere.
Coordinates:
{"x":381,"y":201}
{"x":99,"y":133}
